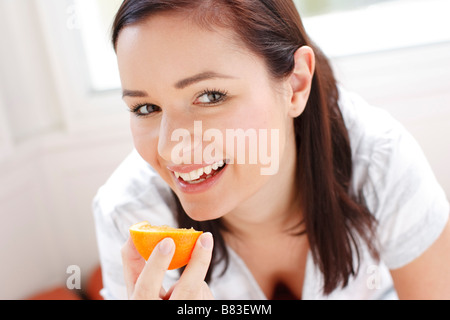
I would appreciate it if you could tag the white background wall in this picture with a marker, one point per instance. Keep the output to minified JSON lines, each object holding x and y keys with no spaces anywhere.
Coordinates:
{"x":59,"y":142}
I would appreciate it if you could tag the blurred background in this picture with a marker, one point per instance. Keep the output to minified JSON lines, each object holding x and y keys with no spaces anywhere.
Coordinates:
{"x":64,"y":127}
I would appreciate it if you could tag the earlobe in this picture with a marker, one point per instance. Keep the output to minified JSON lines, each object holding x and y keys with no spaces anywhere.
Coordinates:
{"x":301,"y":79}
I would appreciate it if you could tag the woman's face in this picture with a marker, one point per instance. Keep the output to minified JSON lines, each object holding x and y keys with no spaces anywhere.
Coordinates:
{"x":205,"y":114}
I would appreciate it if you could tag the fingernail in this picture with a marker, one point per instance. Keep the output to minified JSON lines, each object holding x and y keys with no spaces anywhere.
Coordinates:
{"x":166,"y":246}
{"x":206,"y":241}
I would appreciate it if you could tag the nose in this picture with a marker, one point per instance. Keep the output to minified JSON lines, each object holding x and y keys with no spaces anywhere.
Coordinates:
{"x":180,"y":140}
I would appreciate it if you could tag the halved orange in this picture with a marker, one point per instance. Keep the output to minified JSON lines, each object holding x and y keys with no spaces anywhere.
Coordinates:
{"x":145,"y":238}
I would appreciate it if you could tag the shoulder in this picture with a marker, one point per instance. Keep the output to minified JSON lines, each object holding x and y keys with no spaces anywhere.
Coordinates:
{"x":391,"y":175}
{"x":373,"y":132}
{"x":380,"y":144}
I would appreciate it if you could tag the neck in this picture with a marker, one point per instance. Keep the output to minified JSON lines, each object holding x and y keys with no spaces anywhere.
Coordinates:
{"x":275,"y":209}
{"x":256,"y":221}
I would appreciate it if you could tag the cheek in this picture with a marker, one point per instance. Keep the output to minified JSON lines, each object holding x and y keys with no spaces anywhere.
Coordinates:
{"x":145,"y":139}
{"x":265,"y":116}
{"x":255,"y":112}
{"x":262,"y":117}
{"x":270,"y":119}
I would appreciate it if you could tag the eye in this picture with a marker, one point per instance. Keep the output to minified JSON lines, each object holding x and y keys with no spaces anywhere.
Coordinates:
{"x":211,"y":97}
{"x":145,"y":109}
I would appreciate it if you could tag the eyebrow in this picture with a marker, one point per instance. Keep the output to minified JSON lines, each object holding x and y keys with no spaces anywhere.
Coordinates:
{"x":207,"y":75}
{"x":182,"y":84}
{"x":134,"y":93}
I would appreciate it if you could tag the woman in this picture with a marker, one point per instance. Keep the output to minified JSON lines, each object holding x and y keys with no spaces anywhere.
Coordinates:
{"x":341,"y":205}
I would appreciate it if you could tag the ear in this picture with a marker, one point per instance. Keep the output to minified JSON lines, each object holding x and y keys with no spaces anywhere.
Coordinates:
{"x":301,"y":79}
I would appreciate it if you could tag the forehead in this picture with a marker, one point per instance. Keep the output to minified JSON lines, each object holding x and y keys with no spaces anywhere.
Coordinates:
{"x":170,"y":47}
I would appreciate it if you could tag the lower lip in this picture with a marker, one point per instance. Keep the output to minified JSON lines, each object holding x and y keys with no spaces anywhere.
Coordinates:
{"x":199,"y":187}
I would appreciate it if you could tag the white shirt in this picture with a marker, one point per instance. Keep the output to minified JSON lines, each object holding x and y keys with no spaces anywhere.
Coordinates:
{"x":389,"y":170}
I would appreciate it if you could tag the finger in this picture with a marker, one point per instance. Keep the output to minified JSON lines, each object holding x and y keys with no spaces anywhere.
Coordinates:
{"x":205,"y":292}
{"x":192,"y":279}
{"x":133,"y":264}
{"x":201,"y":258}
{"x":149,"y":283}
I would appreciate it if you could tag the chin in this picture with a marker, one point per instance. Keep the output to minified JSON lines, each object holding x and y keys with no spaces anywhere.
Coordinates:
{"x":203,"y":212}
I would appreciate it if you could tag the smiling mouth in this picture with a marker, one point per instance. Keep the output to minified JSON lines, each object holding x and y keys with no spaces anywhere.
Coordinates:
{"x":201,"y":174}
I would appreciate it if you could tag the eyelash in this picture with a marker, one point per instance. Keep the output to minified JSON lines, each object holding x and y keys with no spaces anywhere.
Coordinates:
{"x":223,"y":96}
{"x":135,"y":109}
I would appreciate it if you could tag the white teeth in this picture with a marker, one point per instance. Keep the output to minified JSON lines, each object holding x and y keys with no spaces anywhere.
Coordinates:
{"x":196,"y":174}
{"x":207,"y":169}
{"x":185,"y":176}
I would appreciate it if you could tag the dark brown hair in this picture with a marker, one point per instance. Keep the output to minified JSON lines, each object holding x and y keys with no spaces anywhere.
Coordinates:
{"x":334,"y":221}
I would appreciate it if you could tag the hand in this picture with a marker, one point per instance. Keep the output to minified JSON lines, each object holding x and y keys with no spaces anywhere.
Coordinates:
{"x":144,"y":280}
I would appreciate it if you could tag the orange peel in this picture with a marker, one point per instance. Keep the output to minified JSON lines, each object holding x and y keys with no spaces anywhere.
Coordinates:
{"x":146,"y":236}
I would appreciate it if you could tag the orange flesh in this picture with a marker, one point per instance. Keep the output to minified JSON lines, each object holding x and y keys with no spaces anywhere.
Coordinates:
{"x":146,"y":237}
